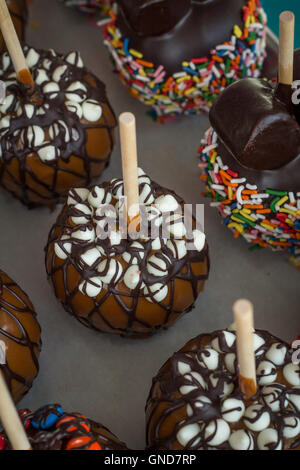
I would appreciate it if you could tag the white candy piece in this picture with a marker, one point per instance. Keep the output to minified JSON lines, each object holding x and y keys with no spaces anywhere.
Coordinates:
{"x":217,"y":432}
{"x":3,"y":348}
{"x":51,"y":89}
{"x":183,"y":368}
{"x":156,"y":244}
{"x":5,"y":61}
{"x":75,"y":108}
{"x":74,"y":58}
{"x":5,"y":123}
{"x":199,"y":240}
{"x":92,"y":287}
{"x":258,"y":342}
{"x":130,"y":258}
{"x":48,"y":153}
{"x":67,"y":137}
{"x":157,"y":292}
{"x":166,"y":203}
{"x":271,"y":395}
{"x":8,"y":100}
{"x":258,"y":421}
{"x":230,"y":362}
{"x":187,"y":433}
{"x":92,"y":110}
{"x":91,"y":257}
{"x":292,"y":427}
{"x":63,"y":249}
{"x":228,"y":337}
{"x":98,"y":196}
{"x":153,"y":215}
{"x":199,"y":403}
{"x":266,"y":373}
{"x":208,"y":358}
{"x":115,"y":238}
{"x":294,"y":398}
{"x":29,"y":110}
{"x":35,"y":136}
{"x":158,"y":265}
{"x":74,"y":92}
{"x":84,"y":214}
{"x":41,"y":77}
{"x":227,"y":386}
{"x":232,"y":410}
{"x":192,"y":377}
{"x":80,"y":193}
{"x":132,"y":277}
{"x":267,"y":438}
{"x":177,"y":248}
{"x":86,"y":233}
{"x":32,"y":58}
{"x":241,"y":440}
{"x":58,"y":72}
{"x":291,"y":373}
{"x":175,"y":225}
{"x":110,"y":271}
{"x":146,"y":195}
{"x":276,"y":354}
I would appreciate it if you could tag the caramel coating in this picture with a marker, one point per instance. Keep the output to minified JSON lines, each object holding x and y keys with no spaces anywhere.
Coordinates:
{"x":20,"y":336}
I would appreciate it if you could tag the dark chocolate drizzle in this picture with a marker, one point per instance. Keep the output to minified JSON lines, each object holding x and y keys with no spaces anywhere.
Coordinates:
{"x":62,"y":121}
{"x":169,"y":32}
{"x":177,"y":269}
{"x":65,"y":428}
{"x":166,"y":403}
{"x":17,"y":313}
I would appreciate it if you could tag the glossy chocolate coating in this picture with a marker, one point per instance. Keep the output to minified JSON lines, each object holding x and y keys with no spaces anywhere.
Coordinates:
{"x":169,"y":410}
{"x":118,"y":309}
{"x":21,"y":335}
{"x":18,"y":11}
{"x":82,"y":148}
{"x":168,"y":32}
{"x":50,"y":428}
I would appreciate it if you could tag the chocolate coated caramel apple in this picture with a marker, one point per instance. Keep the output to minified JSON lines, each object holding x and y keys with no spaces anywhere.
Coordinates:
{"x":18,"y":10}
{"x":178,"y":56}
{"x":58,"y":136}
{"x":195,"y":402}
{"x":51,"y":428}
{"x":20,"y":338}
{"x":250,"y":159}
{"x":126,"y":285}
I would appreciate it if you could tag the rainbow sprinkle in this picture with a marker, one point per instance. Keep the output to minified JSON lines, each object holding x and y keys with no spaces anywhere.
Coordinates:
{"x":200,"y":80}
{"x":265,"y":218}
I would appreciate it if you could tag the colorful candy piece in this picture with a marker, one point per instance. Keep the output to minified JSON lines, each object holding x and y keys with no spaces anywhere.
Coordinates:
{"x":50,"y":428}
{"x":187,"y":79}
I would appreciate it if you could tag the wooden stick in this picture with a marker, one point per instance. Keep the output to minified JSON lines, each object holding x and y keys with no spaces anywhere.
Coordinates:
{"x":13,"y":46}
{"x":11,"y":420}
{"x":243,"y":315}
{"x":286,"y":48}
{"x":129,"y":163}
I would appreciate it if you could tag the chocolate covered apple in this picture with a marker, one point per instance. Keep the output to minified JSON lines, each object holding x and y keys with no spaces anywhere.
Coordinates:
{"x":178,"y":56}
{"x":250,"y":159}
{"x":20,"y":340}
{"x":196,"y":402}
{"x":57,"y":135}
{"x":124,"y":285}
{"x":51,"y":428}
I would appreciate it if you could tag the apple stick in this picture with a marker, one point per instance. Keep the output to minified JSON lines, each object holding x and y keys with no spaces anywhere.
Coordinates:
{"x":129,"y":165}
{"x":13,"y":46}
{"x":243,"y":315}
{"x":11,"y":420}
{"x":286,"y":48}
